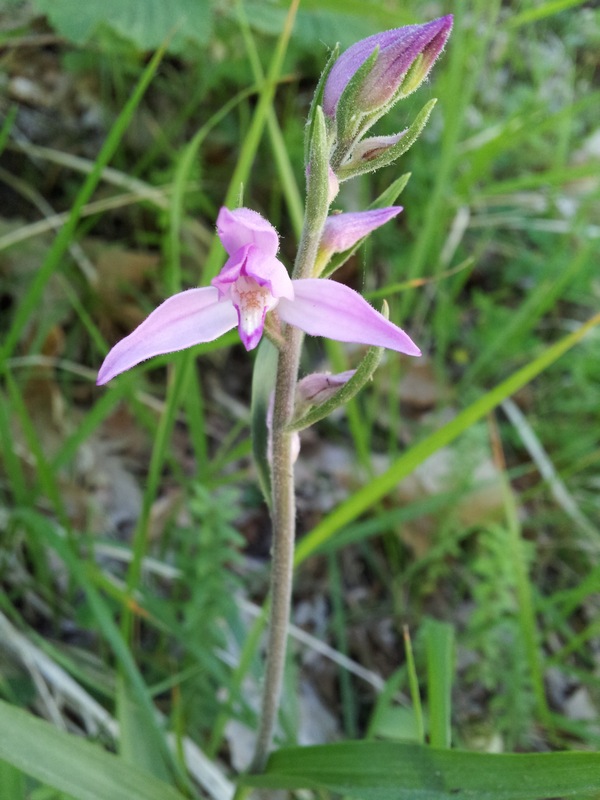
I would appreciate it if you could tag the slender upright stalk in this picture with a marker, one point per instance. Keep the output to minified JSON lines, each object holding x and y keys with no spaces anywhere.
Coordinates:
{"x":284,"y":528}
{"x":283,"y":511}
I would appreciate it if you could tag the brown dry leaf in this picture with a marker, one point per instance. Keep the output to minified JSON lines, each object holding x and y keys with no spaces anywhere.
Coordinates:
{"x":53,"y":421}
{"x":123,"y":275}
{"x":419,"y":387}
{"x":18,"y":266}
{"x":44,"y":402}
{"x":466,"y":469}
{"x":327,"y":473}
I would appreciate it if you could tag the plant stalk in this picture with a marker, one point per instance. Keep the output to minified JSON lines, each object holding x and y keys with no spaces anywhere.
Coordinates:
{"x":283,"y":511}
{"x":284,"y":529}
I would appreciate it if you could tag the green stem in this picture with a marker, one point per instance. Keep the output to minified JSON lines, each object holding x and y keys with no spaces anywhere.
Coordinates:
{"x":283,"y":512}
{"x":284,"y":527}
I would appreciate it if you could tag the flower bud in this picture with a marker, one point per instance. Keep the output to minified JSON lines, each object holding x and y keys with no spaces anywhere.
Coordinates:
{"x":404,"y":58}
{"x":343,"y":231}
{"x":372,"y":148}
{"x":316,"y":388}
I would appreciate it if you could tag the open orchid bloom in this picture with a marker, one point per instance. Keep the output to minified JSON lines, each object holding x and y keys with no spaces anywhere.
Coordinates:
{"x":252,"y":283}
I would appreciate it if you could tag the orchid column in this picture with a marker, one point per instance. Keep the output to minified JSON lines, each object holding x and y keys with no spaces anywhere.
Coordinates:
{"x":254,"y":291}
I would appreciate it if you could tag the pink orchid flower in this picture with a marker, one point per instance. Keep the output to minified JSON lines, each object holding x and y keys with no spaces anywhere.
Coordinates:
{"x":252,"y":283}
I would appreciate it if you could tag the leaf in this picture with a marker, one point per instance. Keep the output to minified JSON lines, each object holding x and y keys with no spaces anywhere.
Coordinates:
{"x":134,"y":746}
{"x":398,"y":771}
{"x":73,"y":765}
{"x":542,"y":11}
{"x":146,"y":23}
{"x":380,"y":486}
{"x":325,"y":22}
{"x":12,"y":781}
{"x":439,"y":639}
{"x":263,"y":385}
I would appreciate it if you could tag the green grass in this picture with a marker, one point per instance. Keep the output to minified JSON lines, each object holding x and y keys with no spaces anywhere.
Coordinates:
{"x":119,"y":559}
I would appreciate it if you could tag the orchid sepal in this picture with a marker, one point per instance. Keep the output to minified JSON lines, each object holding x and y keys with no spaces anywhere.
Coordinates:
{"x":183,"y":320}
{"x":404,"y":58}
{"x":323,"y":307}
{"x":387,"y":198}
{"x":317,"y":100}
{"x":319,"y":178}
{"x":349,"y":117}
{"x":318,"y":387}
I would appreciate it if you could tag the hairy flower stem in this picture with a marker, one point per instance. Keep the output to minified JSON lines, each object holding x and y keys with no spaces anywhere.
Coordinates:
{"x":284,"y":527}
{"x":283,"y":511}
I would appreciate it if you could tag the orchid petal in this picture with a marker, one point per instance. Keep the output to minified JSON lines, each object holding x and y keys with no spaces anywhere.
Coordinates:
{"x":323,"y":307}
{"x":183,"y":320}
{"x":250,"y":262}
{"x":244,"y":226}
{"x":269,"y":272}
{"x":318,"y":387}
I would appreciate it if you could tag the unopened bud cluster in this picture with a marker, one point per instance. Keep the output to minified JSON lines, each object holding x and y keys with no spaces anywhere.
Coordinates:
{"x":357,"y":89}
{"x":366,"y":81}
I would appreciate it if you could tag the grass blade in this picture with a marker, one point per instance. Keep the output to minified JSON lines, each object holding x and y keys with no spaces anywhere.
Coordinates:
{"x":70,"y":764}
{"x":376,"y":489}
{"x":27,"y":308}
{"x":392,"y":770}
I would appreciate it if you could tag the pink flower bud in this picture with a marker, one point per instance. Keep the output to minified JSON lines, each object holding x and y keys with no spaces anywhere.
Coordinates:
{"x":318,"y":387}
{"x":369,"y":149}
{"x":415,"y":46}
{"x":343,"y":231}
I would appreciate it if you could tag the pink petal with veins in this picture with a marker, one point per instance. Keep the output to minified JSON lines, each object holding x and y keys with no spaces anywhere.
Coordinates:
{"x":323,"y":307}
{"x":244,"y":226}
{"x":183,"y":320}
{"x":250,"y":262}
{"x":343,"y":231}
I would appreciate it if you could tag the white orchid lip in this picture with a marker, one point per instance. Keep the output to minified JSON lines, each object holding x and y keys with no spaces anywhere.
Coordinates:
{"x":251,"y":284}
{"x":251,"y":301}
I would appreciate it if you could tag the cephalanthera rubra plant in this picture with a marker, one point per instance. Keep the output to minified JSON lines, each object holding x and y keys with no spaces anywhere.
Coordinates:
{"x":255,"y":292}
